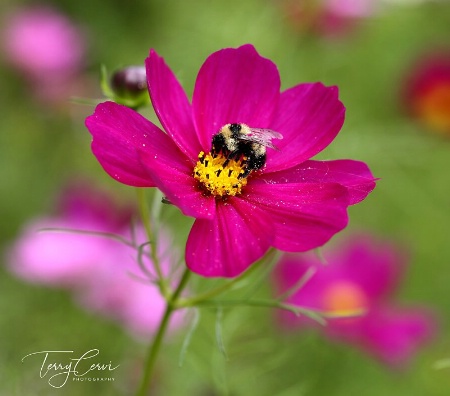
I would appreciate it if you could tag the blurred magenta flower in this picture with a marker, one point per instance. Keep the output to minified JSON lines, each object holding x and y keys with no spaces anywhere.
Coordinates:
{"x":427,"y":91}
{"x":328,"y":17}
{"x":357,"y":279}
{"x":292,"y":203}
{"x":101,"y":272}
{"x":45,"y":45}
{"x":127,"y":294}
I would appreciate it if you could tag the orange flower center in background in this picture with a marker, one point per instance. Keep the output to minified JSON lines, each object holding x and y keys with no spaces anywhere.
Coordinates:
{"x":344,"y":298}
{"x":433,"y":107}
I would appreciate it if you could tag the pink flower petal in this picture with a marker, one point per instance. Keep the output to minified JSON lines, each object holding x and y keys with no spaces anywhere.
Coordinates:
{"x":309,"y":117}
{"x":124,"y":293}
{"x":304,"y":215}
{"x":291,"y":268}
{"x":382,"y":269}
{"x":172,"y":174}
{"x":234,"y":86}
{"x":59,"y":258}
{"x":117,"y":133}
{"x":43,"y":43}
{"x":227,"y":245}
{"x":395,"y":334}
{"x":354,"y":175}
{"x":171,"y":105}
{"x":373,"y":266}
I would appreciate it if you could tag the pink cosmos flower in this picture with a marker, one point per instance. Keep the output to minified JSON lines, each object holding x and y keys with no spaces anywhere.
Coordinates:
{"x":43,"y":42}
{"x":125,"y":294}
{"x":291,"y":203}
{"x":46,"y":46}
{"x":427,"y":91}
{"x":329,"y":17}
{"x":359,"y":278}
{"x":102,"y":273}
{"x":70,"y":259}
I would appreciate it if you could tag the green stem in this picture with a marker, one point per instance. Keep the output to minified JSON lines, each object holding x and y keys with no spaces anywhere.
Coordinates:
{"x":298,"y":285}
{"x":86,"y":232}
{"x":146,"y":220}
{"x":263,"y":303}
{"x":157,"y":341}
{"x":153,"y":353}
{"x":193,"y":301}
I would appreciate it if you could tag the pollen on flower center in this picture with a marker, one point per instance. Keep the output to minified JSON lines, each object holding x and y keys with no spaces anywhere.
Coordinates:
{"x":220,"y":176}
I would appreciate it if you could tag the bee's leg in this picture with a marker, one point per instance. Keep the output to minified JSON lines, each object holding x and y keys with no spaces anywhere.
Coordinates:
{"x":231,"y":156}
{"x":247,"y":171}
{"x":218,"y":144}
{"x":254,"y":162}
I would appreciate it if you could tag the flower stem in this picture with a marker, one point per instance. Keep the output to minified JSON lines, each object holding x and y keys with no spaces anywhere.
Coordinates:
{"x":193,"y":301}
{"x":153,"y":353}
{"x":146,"y":220}
{"x":315,"y":315}
{"x":157,"y":341}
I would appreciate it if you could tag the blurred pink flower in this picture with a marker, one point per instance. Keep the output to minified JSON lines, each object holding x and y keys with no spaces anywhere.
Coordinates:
{"x":43,"y":43}
{"x":426,"y":93}
{"x":328,"y":17}
{"x":239,"y":214}
{"x":358,"y":279}
{"x":46,"y":46}
{"x":102,"y":273}
{"x":124,"y":293}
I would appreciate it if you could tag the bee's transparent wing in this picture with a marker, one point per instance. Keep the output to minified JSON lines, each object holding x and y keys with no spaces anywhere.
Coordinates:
{"x":262,"y":136}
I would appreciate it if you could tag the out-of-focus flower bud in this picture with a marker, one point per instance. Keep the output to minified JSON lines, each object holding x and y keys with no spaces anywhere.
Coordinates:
{"x":127,"y":86}
{"x":131,"y":81}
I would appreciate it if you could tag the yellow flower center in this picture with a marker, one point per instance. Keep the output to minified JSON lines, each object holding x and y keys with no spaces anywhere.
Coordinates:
{"x":344,"y":298}
{"x":220,"y":176}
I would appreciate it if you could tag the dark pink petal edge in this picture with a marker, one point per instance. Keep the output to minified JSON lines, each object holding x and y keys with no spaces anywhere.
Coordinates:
{"x":226,"y":246}
{"x":172,"y":173}
{"x":304,"y":215}
{"x":354,"y":175}
{"x":171,"y":105}
{"x":309,"y":116}
{"x":234,"y":85}
{"x":118,"y":132}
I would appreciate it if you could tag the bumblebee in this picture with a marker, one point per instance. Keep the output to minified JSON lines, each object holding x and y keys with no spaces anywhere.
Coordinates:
{"x":240,"y":142}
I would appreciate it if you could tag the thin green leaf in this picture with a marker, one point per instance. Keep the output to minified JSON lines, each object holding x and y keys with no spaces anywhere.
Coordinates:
{"x":187,"y":340}
{"x":219,"y":337}
{"x":441,"y":364}
{"x":298,"y":285}
{"x":87,"y":232}
{"x":140,"y":261}
{"x":319,"y":254}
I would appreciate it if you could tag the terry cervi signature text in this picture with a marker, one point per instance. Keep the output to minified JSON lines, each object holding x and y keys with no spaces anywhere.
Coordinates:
{"x":58,"y":373}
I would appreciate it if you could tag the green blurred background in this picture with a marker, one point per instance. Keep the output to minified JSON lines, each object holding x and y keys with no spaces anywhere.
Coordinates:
{"x":41,"y":148}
